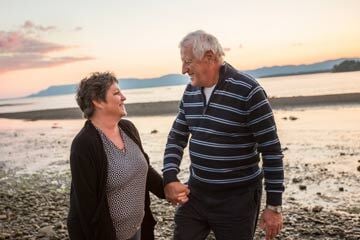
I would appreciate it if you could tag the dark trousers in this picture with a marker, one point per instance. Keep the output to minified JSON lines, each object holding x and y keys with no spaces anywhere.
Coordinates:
{"x":231,"y":215}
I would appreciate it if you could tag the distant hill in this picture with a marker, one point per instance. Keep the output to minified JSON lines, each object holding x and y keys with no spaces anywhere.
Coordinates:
{"x":125,"y":83}
{"x":325,"y":66}
{"x":347,"y":66}
{"x":178,"y":79}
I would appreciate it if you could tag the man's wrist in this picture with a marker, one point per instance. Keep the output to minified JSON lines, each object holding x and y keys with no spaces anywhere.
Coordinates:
{"x":277,"y":209}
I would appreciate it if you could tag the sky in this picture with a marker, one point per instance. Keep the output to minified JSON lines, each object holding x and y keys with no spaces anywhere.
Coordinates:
{"x":48,"y":42}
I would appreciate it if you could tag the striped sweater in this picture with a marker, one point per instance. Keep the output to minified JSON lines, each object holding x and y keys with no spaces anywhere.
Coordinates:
{"x":228,"y":137}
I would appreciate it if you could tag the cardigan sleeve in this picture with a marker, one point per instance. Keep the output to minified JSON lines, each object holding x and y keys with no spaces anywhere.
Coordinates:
{"x":155,"y":183}
{"x":84,"y":196}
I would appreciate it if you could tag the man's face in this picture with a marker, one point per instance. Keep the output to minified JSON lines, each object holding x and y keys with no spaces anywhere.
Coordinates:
{"x":200,"y":71}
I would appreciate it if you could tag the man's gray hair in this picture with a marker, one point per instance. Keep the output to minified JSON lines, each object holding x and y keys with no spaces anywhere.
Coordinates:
{"x":202,"y":42}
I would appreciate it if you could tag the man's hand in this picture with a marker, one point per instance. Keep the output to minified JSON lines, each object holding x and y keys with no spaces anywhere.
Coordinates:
{"x":271,"y":222}
{"x":176,"y":192}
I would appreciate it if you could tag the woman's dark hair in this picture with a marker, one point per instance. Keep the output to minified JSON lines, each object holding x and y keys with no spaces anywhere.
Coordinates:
{"x":92,"y":88}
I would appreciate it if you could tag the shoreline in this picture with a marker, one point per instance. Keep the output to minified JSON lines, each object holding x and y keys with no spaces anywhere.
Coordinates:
{"x":170,"y":107}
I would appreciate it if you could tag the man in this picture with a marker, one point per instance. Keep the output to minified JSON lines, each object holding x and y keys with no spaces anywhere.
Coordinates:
{"x":232,"y":127}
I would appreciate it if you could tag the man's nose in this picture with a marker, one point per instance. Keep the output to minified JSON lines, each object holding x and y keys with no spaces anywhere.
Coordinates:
{"x":185,"y":68}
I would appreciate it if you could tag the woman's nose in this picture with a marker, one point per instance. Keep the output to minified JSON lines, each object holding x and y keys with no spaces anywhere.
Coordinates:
{"x":123,"y":98}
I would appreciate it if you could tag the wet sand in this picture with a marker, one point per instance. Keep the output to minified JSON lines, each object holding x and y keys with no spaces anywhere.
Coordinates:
{"x":322,"y":173}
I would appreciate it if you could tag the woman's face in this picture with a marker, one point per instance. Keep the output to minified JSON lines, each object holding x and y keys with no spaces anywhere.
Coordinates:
{"x":114,"y":104}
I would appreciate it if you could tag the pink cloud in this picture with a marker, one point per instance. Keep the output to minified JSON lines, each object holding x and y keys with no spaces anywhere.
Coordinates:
{"x":27,"y":61}
{"x":22,"y":50}
{"x":16,"y":42}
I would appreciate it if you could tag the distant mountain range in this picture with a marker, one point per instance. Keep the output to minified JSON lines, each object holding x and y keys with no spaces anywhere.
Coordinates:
{"x":178,"y":79}
{"x":125,"y":83}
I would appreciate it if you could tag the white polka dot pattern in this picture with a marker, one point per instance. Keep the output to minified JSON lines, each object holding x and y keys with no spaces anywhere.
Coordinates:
{"x":126,"y":180}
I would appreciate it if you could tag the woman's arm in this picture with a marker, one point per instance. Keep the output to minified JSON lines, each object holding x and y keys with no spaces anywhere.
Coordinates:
{"x":155,"y":183}
{"x":83,"y":174}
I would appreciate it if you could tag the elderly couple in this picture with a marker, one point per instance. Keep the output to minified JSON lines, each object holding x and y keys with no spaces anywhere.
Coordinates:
{"x":231,"y":127}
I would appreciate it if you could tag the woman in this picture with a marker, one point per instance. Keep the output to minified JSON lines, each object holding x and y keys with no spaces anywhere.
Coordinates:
{"x":111,"y":175}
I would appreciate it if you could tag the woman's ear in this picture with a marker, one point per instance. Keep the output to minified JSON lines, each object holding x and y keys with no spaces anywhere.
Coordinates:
{"x":97,"y":104}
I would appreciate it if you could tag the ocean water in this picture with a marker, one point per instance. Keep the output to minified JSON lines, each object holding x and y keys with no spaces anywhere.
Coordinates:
{"x":300,"y":85}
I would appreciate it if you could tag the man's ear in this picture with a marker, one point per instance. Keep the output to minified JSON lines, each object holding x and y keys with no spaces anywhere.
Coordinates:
{"x":209,"y":56}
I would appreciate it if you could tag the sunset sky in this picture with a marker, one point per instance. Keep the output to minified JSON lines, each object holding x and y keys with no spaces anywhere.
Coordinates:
{"x":47,"y":42}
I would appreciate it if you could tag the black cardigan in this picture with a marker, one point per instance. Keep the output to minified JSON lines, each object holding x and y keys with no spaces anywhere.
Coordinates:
{"x":89,"y":216}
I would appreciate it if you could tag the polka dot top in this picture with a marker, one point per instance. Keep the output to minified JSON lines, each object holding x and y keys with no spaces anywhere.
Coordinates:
{"x":125,"y":188}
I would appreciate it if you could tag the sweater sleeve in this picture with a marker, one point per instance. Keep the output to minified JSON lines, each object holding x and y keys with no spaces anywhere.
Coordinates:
{"x":174,"y":150}
{"x":262,"y":124}
{"x":83,"y":174}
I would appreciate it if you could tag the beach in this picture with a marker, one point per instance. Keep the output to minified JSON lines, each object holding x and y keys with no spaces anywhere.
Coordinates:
{"x":319,"y":136}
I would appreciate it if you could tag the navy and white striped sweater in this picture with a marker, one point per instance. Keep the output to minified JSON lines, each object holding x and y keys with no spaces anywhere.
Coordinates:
{"x":228,"y":136}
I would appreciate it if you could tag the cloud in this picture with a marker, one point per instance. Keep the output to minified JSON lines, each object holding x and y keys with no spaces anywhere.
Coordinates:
{"x":17,"y":42}
{"x":77,"y":29}
{"x":226,"y":49}
{"x":27,"y":61}
{"x":297,"y":44}
{"x":241,"y":46}
{"x":30,"y":26}
{"x":21,"y":50}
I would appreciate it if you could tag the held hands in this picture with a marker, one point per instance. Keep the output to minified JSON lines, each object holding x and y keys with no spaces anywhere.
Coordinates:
{"x":176,"y":193}
{"x":272,"y":223}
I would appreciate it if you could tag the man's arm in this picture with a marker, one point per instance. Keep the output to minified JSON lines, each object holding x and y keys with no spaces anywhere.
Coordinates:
{"x":262,"y":123}
{"x":175,"y":191}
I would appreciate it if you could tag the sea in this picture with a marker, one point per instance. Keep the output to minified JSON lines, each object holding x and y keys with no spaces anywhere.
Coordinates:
{"x":284,"y":86}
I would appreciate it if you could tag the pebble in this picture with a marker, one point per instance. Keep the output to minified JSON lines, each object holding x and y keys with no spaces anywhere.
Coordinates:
{"x":35,"y":210}
{"x":317,"y":209}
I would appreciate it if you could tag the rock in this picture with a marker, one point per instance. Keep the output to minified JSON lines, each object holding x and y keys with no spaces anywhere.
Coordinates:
{"x":3,"y":217}
{"x":154,"y":131}
{"x":292,"y":118}
{"x":285,"y":149}
{"x":342,"y":154}
{"x":317,"y":209}
{"x":59,"y":225}
{"x":47,"y":231}
{"x":302,"y":187}
{"x":297,"y":180}
{"x":341,"y":189}
{"x":285,"y":118}
{"x":358,"y":168}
